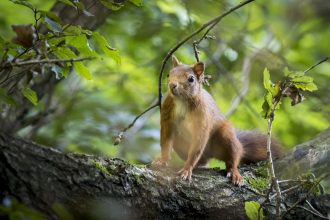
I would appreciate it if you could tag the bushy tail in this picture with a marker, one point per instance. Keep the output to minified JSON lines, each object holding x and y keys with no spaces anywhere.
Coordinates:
{"x":255,"y":146}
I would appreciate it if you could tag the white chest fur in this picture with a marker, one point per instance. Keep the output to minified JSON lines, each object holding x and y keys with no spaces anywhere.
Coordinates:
{"x":184,"y":121}
{"x":181,"y":109}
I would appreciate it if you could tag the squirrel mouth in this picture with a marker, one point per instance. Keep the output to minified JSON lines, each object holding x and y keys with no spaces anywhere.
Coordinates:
{"x":174,"y":92}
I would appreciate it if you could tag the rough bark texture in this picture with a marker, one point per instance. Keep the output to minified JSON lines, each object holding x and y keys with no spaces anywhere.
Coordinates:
{"x":312,"y":156}
{"x":93,"y":187}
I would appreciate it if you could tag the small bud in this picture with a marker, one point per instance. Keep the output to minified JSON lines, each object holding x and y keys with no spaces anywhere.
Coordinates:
{"x":118,"y":138}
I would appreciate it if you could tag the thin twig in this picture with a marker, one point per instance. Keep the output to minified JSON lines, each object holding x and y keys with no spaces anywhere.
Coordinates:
{"x":267,"y":200}
{"x":196,"y":51}
{"x":288,"y":181}
{"x":120,"y":135}
{"x":269,"y":153}
{"x":5,"y":82}
{"x":29,"y":62}
{"x":288,"y":190}
{"x":312,"y":212}
{"x":209,"y":24}
{"x":312,"y":208}
{"x":271,"y":168}
{"x":23,"y":52}
{"x":35,"y":11}
{"x":318,"y":63}
{"x":307,"y":194}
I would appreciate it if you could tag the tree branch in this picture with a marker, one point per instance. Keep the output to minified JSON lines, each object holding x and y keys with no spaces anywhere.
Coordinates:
{"x":41,"y":176}
{"x":29,"y":62}
{"x":119,"y":137}
{"x":318,"y":63}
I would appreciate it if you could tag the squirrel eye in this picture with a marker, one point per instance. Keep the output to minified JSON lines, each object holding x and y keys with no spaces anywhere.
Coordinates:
{"x":191,"y":79}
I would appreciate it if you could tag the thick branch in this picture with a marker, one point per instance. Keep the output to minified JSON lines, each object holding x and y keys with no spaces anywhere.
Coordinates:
{"x":40,"y":177}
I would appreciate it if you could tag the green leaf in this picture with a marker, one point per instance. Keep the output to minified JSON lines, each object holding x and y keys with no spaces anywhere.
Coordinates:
{"x":137,"y":2}
{"x":276,"y":89}
{"x":112,"y":5}
{"x":67,"y":2}
{"x":114,"y":54}
{"x":286,"y":71}
{"x":111,"y":52}
{"x":65,"y":71}
{"x":23,"y":2}
{"x":304,"y":83}
{"x":302,"y":79}
{"x":50,"y":15}
{"x":251,"y":210}
{"x":80,"y":42}
{"x":306,"y":86}
{"x":268,"y":105}
{"x":4,"y":97}
{"x":53,"y":25}
{"x":30,"y":95}
{"x":292,"y":74}
{"x":64,"y":53}
{"x":74,"y":29}
{"x":82,"y":70}
{"x":267,"y":83}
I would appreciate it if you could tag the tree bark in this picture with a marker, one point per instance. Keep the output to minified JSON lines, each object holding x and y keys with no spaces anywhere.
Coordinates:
{"x":92,"y":187}
{"x":312,"y":156}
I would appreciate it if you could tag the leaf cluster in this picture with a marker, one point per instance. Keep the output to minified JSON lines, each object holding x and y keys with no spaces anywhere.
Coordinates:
{"x":293,"y":85}
{"x":51,"y":46}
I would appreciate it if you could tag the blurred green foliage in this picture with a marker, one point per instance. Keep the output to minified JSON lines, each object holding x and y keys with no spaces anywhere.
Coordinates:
{"x":15,"y":210}
{"x":273,"y":34}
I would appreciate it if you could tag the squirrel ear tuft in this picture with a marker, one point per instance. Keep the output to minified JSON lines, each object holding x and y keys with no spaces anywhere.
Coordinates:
{"x":199,"y":68}
{"x":175,"y":61}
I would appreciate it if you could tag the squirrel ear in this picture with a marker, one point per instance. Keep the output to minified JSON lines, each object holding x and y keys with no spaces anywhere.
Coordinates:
{"x":199,"y":68}
{"x":175,"y":61}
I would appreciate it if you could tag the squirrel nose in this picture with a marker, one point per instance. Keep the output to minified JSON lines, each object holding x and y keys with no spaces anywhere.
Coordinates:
{"x":173,"y":86}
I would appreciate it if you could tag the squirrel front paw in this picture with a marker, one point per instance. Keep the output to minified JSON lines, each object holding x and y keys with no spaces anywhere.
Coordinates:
{"x":236,"y":178}
{"x":185,"y":173}
{"x":160,"y":162}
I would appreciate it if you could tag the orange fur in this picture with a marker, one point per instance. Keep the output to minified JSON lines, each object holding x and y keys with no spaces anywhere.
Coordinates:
{"x":192,"y":124}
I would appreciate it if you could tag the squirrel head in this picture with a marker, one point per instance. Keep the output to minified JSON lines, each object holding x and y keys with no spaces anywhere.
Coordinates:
{"x":185,"y":81}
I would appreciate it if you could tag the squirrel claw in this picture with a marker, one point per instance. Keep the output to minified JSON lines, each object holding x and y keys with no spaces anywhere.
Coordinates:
{"x":185,"y":173}
{"x":160,"y":162}
{"x":237,"y":179}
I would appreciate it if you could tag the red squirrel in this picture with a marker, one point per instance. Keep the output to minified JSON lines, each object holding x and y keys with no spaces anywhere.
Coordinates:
{"x":192,"y":124}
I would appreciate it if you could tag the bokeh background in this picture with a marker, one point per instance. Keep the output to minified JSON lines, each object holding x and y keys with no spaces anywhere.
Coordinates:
{"x":273,"y":34}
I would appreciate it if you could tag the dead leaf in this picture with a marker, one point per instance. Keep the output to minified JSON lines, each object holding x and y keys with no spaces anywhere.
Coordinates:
{"x":25,"y":35}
